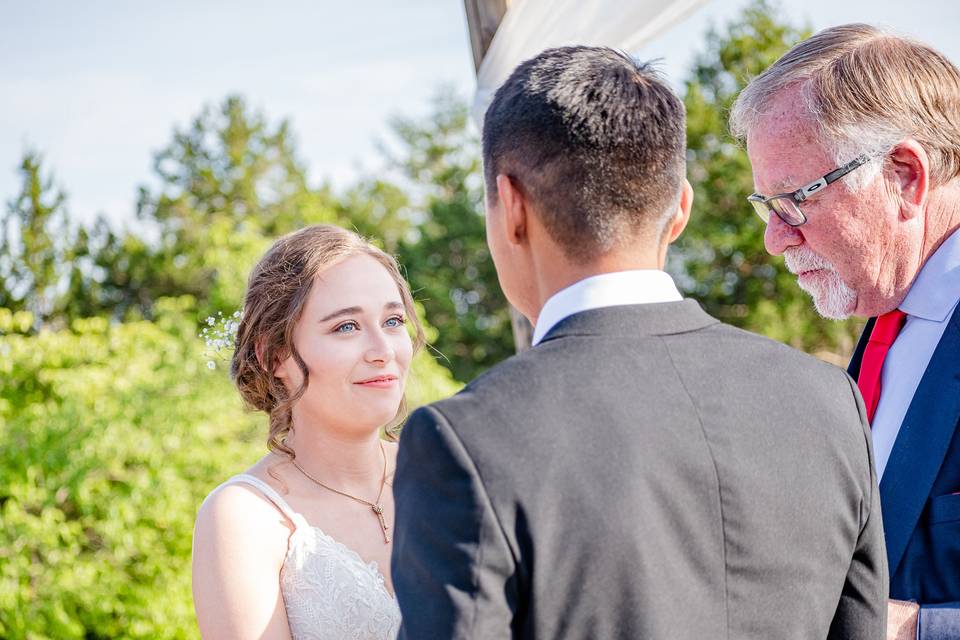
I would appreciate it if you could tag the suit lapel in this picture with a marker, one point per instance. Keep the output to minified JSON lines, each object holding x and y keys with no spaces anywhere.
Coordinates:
{"x":921,"y":444}
{"x":854,"y":367}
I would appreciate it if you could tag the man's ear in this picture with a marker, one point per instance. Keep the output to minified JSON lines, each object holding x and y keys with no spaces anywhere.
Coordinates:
{"x":682,"y":215}
{"x":911,"y":171}
{"x":513,"y":201}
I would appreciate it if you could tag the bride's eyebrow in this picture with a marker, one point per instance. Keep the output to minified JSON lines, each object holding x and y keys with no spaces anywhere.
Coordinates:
{"x":347,"y":311}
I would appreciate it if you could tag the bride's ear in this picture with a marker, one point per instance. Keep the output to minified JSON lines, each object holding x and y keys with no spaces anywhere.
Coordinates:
{"x":278,"y":370}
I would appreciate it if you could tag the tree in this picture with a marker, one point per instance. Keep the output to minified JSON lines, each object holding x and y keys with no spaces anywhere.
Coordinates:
{"x":445,"y":253}
{"x":379,"y":210}
{"x":116,"y":273}
{"x":720,"y":259}
{"x":34,"y":241}
{"x":229,"y":184}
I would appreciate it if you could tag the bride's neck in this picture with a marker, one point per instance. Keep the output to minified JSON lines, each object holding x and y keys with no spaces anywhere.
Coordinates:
{"x":340,"y":460}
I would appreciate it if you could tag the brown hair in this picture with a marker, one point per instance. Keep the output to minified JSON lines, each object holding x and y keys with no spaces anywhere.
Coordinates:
{"x":277,"y":292}
{"x":868,"y":90}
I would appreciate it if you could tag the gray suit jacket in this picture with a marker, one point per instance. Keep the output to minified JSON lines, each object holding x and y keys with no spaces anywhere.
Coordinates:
{"x":644,"y":472}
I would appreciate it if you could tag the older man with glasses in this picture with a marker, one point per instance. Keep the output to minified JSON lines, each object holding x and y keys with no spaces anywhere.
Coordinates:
{"x":881,"y":115}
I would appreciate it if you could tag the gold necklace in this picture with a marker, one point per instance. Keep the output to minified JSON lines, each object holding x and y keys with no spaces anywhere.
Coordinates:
{"x":376,"y":506}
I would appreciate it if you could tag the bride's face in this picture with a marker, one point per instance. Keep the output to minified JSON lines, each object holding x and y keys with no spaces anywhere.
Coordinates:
{"x":353,"y":338}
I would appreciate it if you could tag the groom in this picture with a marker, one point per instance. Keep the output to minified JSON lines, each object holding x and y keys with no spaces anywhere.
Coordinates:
{"x":644,"y":471}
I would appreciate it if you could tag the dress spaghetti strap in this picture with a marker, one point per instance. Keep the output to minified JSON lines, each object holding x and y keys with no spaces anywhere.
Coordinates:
{"x":271,"y":494}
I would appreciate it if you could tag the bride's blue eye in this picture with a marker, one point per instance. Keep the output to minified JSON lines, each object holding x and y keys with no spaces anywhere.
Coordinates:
{"x":347,"y":327}
{"x":395,"y":321}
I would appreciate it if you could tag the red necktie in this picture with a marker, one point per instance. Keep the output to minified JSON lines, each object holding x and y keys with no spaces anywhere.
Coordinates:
{"x":884,"y":333}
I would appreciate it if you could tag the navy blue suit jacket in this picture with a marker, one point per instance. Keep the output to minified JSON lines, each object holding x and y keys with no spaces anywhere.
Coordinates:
{"x":920,"y":491}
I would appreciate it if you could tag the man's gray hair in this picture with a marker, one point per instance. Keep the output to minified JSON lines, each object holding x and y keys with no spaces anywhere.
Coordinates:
{"x":868,"y":90}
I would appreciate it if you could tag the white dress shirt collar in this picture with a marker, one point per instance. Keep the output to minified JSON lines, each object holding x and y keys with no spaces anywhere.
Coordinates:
{"x":936,"y":290}
{"x":606,"y":290}
{"x":928,"y":306}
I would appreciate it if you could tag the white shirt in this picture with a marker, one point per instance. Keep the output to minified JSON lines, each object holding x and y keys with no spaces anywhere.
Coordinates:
{"x":605,"y":290}
{"x":929,"y":306}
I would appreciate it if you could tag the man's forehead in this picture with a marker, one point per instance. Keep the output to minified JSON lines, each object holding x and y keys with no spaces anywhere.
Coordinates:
{"x":785,"y":118}
{"x":773,"y":162}
{"x":784,"y":149}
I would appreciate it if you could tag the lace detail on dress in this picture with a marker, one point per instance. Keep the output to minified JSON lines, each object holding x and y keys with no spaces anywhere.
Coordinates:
{"x":328,"y":590}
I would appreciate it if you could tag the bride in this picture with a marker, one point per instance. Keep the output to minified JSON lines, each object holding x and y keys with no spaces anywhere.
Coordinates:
{"x":298,"y":546}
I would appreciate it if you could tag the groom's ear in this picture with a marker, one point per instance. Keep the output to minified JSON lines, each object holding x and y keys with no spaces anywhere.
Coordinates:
{"x":682,"y":215}
{"x":513,"y":201}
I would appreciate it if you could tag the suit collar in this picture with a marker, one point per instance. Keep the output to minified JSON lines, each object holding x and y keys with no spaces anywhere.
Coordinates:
{"x":638,"y":286}
{"x":854,"y":367}
{"x":921,"y":444}
{"x":635,"y":320}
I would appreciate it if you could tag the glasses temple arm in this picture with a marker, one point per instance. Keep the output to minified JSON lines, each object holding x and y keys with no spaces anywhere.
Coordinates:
{"x":838,"y":173}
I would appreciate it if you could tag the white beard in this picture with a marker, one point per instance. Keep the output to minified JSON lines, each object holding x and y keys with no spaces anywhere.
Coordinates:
{"x":832,"y":297}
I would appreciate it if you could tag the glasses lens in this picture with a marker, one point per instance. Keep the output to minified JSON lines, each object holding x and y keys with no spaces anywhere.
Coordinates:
{"x":788,"y":211}
{"x":762,"y":210}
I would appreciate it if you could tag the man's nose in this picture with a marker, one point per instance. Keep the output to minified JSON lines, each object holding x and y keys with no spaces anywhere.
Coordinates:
{"x":779,"y":235}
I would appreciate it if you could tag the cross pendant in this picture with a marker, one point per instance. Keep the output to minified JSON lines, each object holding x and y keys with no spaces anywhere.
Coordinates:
{"x":377,"y":509}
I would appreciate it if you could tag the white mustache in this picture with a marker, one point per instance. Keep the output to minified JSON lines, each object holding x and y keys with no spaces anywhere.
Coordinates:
{"x":800,"y":259}
{"x":831,"y":296}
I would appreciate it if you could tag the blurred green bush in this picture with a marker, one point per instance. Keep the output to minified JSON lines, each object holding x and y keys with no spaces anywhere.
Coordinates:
{"x":112,"y":436}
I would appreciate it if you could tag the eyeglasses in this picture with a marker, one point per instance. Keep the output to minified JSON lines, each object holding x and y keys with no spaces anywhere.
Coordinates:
{"x":787,"y":205}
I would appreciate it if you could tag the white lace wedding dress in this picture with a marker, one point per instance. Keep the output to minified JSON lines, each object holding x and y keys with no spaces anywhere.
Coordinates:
{"x":329,"y":592}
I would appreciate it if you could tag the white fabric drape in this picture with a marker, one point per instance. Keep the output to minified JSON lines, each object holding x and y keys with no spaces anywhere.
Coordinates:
{"x":530,"y":26}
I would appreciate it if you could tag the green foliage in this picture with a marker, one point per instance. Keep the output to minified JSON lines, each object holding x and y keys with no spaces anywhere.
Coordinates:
{"x":108,"y":431}
{"x":446,"y":255}
{"x":113,"y":434}
{"x":378,"y":210}
{"x":720,"y":259}
{"x":34,"y":243}
{"x":429,"y":379}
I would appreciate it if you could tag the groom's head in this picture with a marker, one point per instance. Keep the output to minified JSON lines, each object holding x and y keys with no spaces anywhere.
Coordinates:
{"x":583,"y":153}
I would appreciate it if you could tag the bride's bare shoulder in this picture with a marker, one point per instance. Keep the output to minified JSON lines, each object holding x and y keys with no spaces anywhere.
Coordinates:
{"x":239,"y":513}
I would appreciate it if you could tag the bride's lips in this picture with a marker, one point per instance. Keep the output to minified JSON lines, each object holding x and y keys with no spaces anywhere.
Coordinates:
{"x":378,"y":382}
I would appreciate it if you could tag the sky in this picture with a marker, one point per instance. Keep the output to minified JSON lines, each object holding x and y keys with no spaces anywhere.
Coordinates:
{"x":98,"y":87}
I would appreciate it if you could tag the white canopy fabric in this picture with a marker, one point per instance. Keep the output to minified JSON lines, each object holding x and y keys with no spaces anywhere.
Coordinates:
{"x":530,"y":26}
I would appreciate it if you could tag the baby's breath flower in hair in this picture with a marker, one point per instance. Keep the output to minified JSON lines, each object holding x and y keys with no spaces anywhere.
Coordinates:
{"x":220,"y":336}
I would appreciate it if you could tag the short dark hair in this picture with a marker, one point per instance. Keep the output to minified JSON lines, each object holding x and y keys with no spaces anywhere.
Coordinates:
{"x":597,"y":142}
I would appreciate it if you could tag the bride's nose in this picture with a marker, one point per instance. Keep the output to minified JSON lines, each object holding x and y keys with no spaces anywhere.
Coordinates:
{"x":380,"y":349}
